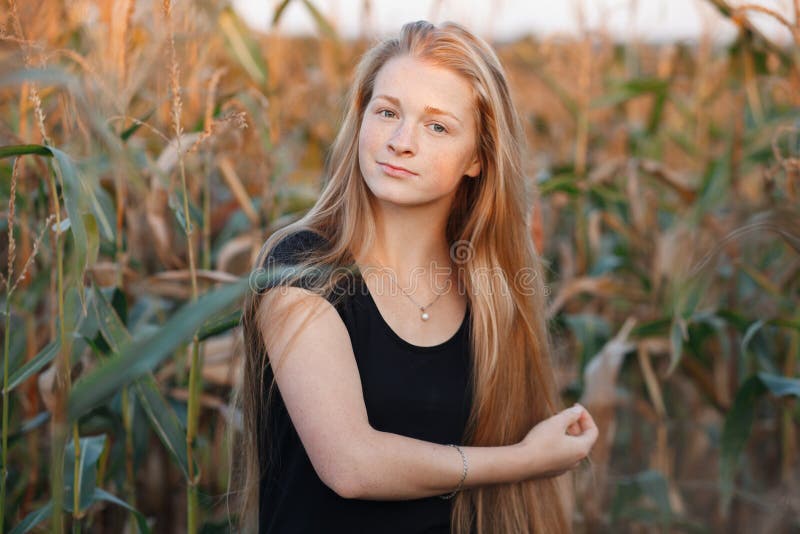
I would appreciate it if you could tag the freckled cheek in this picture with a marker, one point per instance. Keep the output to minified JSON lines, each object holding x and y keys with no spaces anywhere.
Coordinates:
{"x":369,"y":140}
{"x":364,"y":144}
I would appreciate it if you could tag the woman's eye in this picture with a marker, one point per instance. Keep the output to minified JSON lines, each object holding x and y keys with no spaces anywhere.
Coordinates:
{"x":381,"y":112}
{"x":437,"y":125}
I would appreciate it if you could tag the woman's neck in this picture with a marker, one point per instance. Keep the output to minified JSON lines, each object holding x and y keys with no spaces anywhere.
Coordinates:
{"x":409,"y":237}
{"x":410,"y":242}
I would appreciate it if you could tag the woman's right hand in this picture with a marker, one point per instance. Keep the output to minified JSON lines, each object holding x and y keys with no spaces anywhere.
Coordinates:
{"x":560,"y":442}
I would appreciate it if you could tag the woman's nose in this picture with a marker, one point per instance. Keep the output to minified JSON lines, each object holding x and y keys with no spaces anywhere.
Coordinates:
{"x":402,"y":140}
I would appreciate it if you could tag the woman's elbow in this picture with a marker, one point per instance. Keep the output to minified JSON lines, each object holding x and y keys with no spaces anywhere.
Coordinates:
{"x":348,"y":466}
{"x":344,"y":482}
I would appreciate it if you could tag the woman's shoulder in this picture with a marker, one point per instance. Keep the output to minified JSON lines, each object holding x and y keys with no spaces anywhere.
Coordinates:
{"x":301,"y":258}
{"x":295,"y":247}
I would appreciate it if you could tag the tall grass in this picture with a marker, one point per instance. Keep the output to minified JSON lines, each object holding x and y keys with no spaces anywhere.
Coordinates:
{"x":148,"y":149}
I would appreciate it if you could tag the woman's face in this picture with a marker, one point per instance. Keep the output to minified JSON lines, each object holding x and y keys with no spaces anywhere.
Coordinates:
{"x":421,"y":119}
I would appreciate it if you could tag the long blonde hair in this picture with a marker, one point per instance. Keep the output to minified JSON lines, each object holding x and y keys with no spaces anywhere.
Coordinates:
{"x":513,"y":380}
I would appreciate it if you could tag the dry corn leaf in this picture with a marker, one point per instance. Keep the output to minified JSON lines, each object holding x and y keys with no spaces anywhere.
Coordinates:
{"x":606,"y":171}
{"x":105,"y":273}
{"x":185,"y":275}
{"x":221,"y":360}
{"x":157,"y":213}
{"x":46,"y":381}
{"x":670,"y":178}
{"x":600,"y":286}
{"x":600,"y":374}
{"x":206,"y":399}
{"x":236,"y":251}
{"x":599,"y":397}
{"x":633,"y":192}
{"x":168,"y":158}
{"x":171,"y":290}
{"x":239,"y":192}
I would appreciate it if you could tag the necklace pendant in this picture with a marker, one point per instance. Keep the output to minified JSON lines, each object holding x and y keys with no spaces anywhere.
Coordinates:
{"x":425,"y":316}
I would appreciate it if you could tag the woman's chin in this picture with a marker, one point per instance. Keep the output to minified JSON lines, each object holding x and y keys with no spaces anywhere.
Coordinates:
{"x":389,"y":193}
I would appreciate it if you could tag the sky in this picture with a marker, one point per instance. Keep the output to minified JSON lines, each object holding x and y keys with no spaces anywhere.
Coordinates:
{"x":500,"y":20}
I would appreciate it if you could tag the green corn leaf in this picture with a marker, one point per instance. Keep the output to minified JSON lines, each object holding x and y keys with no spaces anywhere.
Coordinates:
{"x":221,"y":325}
{"x":43,"y":513}
{"x":92,"y":238}
{"x":735,"y":432}
{"x":780,"y":386}
{"x":34,"y":365}
{"x":79,"y":328}
{"x":657,"y":112}
{"x":53,"y":76}
{"x":163,"y":420}
{"x":276,"y":17}
{"x":74,"y":201}
{"x":176,"y":204}
{"x":33,"y":519}
{"x":565,"y":183}
{"x":22,"y":150}
{"x":757,"y":345}
{"x":75,"y":192}
{"x":31,"y":424}
{"x":632,"y":89}
{"x":715,"y":186}
{"x":61,"y":227}
{"x":244,"y":48}
{"x":590,"y":331}
{"x":130,"y":130}
{"x":159,"y":413}
{"x":630,"y":491}
{"x":108,"y":321}
{"x":141,"y":521}
{"x":99,"y":212}
{"x":140,"y":356}
{"x":91,"y":449}
{"x":656,"y":327}
{"x":676,"y":338}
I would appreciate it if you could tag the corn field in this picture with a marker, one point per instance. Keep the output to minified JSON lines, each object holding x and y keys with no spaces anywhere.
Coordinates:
{"x":147,"y":149}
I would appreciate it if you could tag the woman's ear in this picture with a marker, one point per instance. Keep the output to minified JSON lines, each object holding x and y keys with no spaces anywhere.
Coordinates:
{"x":474,"y":169}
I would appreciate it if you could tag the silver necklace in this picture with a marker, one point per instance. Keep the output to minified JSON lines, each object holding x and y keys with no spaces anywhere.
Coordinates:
{"x":424,"y":315}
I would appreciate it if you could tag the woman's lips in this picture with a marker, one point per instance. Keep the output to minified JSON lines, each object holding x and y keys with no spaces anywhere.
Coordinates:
{"x":396,"y":171}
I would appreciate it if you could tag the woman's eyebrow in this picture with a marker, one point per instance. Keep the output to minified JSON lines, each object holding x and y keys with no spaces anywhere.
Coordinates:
{"x":436,"y":111}
{"x":428,"y":109}
{"x":391,"y":99}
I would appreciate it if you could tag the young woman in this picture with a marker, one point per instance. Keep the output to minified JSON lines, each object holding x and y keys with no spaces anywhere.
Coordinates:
{"x":403,"y":320}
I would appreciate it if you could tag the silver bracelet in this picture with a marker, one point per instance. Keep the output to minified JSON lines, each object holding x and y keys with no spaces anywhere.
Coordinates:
{"x":463,"y":475}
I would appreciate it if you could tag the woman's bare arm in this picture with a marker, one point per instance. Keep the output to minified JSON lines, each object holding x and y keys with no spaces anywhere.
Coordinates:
{"x":398,"y":467}
{"x":321,"y":387}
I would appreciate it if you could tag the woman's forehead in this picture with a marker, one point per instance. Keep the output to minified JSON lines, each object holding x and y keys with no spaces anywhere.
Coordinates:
{"x":412,"y":81}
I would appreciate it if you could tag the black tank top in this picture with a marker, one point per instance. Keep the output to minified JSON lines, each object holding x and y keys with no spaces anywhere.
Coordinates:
{"x":420,"y":392}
